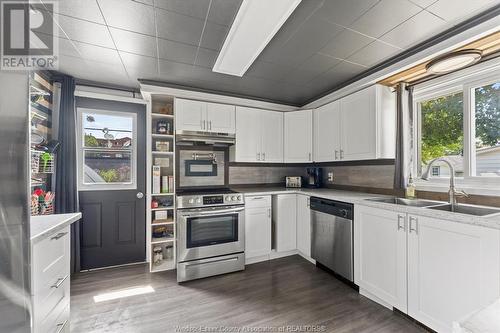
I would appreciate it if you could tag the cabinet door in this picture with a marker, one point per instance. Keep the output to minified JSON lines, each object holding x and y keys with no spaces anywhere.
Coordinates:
{"x":248,"y":137}
{"x":220,"y":118}
{"x":272,"y":136}
{"x":380,"y":254}
{"x":257,"y":232}
{"x":298,"y":136}
{"x":453,"y":270}
{"x":327,"y":133}
{"x":303,"y":225}
{"x":190,"y":115}
{"x":358,"y":119}
{"x":285,"y":219}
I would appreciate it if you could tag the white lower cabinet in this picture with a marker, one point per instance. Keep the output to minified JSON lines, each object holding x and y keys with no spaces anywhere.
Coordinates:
{"x":50,"y":274}
{"x":380,"y":255}
{"x":451,"y":269}
{"x":258,"y":226}
{"x":303,"y":225}
{"x":285,"y":219}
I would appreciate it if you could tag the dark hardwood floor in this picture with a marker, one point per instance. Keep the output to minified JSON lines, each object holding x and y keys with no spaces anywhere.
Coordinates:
{"x":269,"y":295}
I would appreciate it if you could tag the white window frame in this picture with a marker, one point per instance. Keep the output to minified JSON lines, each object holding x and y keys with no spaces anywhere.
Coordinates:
{"x":82,"y":186}
{"x":461,"y":81}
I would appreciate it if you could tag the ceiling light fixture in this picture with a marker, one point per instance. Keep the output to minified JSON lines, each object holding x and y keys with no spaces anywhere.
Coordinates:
{"x":453,"y":61}
{"x":255,"y":24}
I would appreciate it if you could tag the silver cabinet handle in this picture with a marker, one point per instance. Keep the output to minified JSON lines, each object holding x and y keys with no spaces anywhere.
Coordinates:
{"x":201,"y":123}
{"x":257,"y":198}
{"x":401,"y":226}
{"x":258,"y":156}
{"x":210,"y":124}
{"x":308,"y":202}
{"x":59,"y":282}
{"x":412,"y":228}
{"x":61,"y":326}
{"x":263,"y":156}
{"x":341,"y":154}
{"x":269,"y":212}
{"x":309,"y":156}
{"x":139,"y":195}
{"x":336,"y":154}
{"x":59,"y":235}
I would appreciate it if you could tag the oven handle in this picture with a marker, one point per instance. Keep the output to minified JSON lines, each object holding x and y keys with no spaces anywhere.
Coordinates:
{"x":215,"y":212}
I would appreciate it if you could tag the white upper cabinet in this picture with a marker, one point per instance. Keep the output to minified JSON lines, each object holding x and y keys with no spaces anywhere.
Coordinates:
{"x":298,"y":136}
{"x":220,"y":118}
{"x":190,"y":115}
{"x":259,"y":136}
{"x":327,"y":132}
{"x":202,"y":116}
{"x":368,"y":119}
{"x":271,"y":124}
{"x":359,"y":126}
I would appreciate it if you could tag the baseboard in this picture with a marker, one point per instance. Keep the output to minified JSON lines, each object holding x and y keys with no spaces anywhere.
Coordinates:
{"x":277,"y":255}
{"x":374,"y":298}
{"x":311,"y":260}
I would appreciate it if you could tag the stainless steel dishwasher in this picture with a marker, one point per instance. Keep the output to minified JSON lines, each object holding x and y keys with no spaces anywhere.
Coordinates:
{"x":332,"y":235}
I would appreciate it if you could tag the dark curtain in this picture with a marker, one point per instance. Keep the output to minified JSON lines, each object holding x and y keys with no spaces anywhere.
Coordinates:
{"x":66,"y":181}
{"x":400,"y":162}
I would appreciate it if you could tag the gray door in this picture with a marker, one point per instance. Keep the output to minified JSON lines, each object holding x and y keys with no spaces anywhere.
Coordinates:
{"x":111,"y":171}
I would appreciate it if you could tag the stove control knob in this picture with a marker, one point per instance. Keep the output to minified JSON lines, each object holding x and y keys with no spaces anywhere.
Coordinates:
{"x":191,"y":201}
{"x":228,"y":198}
{"x":198,"y":200}
{"x":234,"y":198}
{"x":239,"y":197}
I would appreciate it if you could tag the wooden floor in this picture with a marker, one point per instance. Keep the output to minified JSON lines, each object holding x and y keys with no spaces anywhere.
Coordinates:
{"x":266,"y":296}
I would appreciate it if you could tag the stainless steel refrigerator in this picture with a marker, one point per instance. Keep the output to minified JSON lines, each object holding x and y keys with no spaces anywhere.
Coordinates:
{"x":14,"y":195}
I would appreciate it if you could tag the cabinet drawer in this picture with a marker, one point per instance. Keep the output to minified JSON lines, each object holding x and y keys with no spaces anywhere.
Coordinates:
{"x":56,"y":322}
{"x":51,"y":260}
{"x":259,"y":201}
{"x":50,"y":299}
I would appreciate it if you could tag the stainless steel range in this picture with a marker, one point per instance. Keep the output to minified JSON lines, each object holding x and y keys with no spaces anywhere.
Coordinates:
{"x":211,"y":233}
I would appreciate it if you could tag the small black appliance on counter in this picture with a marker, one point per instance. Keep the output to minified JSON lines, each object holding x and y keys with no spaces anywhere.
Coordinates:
{"x":314,"y":177}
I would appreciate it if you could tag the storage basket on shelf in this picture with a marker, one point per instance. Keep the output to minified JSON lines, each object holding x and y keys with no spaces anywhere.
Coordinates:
{"x":42,"y":203}
{"x":42,"y":162}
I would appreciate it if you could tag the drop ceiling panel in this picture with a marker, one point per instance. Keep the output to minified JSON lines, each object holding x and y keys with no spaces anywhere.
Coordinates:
{"x":118,"y":13}
{"x":384,"y":16}
{"x":133,"y":42}
{"x":323,"y":44}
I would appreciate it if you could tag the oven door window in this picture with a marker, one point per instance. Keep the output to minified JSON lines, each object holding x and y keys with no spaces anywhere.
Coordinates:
{"x":212,"y":230}
{"x":197,"y":168}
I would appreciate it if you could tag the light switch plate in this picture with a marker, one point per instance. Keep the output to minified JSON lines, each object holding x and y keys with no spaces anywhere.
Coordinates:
{"x":330,"y":176}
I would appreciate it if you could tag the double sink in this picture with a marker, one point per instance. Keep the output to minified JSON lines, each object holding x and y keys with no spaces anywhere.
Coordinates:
{"x":439,"y":205}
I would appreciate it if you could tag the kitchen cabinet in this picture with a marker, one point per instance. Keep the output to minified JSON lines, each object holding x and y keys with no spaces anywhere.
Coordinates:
{"x":303,"y":225}
{"x":357,"y":127}
{"x":285,"y":220}
{"x":259,"y":136}
{"x":453,"y":270}
{"x":203,"y":116}
{"x":257,"y":226}
{"x":327,"y":132}
{"x":298,"y":136}
{"x":436,"y":271}
{"x":380,"y":255}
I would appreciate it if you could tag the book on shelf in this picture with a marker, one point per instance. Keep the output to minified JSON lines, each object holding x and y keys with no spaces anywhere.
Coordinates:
{"x":156,"y":179}
{"x":167,"y":184}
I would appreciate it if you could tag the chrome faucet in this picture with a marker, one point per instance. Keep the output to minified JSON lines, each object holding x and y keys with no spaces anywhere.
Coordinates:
{"x":453,"y":193}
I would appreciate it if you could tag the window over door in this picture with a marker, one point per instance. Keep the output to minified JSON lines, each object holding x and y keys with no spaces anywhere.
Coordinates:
{"x":107,"y":150}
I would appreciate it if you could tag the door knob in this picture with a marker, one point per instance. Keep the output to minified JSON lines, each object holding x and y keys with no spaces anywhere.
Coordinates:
{"x":140,"y":195}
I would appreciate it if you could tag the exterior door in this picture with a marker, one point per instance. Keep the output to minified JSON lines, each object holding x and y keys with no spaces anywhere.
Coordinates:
{"x":111,"y":175}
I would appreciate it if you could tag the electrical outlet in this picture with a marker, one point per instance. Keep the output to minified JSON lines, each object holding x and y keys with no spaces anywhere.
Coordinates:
{"x":330,"y":176}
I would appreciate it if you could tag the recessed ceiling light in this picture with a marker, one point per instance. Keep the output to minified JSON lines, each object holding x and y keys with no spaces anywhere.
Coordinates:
{"x":453,"y":61}
{"x":255,"y":24}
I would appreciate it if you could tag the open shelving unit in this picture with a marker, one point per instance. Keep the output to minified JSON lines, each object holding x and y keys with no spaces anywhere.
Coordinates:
{"x":161,"y":227}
